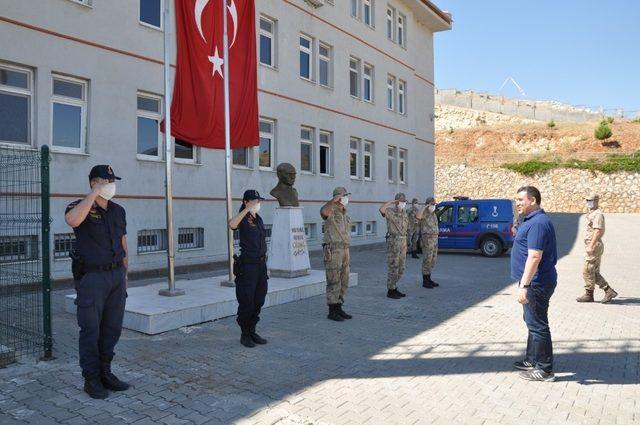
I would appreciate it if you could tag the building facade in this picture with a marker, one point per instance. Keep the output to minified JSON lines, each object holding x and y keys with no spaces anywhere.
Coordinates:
{"x":345,"y":95}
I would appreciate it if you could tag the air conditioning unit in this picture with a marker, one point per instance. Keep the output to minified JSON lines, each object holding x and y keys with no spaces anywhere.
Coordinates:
{"x":315,"y":3}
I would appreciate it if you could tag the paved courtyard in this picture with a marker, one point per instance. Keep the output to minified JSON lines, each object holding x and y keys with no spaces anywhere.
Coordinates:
{"x":436,"y":356}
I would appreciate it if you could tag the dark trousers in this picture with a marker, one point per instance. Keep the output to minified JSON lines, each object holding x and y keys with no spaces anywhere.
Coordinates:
{"x":101,"y":298}
{"x":539,"y":346}
{"x":251,"y":290}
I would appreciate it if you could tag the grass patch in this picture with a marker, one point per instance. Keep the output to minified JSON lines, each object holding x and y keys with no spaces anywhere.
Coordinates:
{"x":611,"y":164}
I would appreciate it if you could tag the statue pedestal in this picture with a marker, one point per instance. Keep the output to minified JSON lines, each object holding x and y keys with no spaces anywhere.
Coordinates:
{"x":288,"y":254}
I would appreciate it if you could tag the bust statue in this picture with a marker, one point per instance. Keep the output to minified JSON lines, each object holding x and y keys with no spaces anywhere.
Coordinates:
{"x":284,"y":191}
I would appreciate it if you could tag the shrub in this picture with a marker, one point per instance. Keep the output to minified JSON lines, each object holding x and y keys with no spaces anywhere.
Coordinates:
{"x":551,"y":124}
{"x":611,"y":164}
{"x":603,"y":132}
{"x":610,"y":119}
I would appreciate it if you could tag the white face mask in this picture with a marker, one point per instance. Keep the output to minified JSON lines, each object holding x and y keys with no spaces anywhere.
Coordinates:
{"x":255,"y":208}
{"x":591,"y":204}
{"x":344,"y":200}
{"x":432,"y":208}
{"x":402,"y":205}
{"x":108,"y":191}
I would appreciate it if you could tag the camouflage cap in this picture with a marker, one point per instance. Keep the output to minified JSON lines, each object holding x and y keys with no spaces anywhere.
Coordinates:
{"x":414,"y":201}
{"x":401,"y":197}
{"x":592,"y":197}
{"x":340,"y":191}
{"x":429,"y":200}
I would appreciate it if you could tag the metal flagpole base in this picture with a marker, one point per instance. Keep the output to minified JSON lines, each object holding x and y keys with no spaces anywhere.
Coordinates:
{"x":175,"y":292}
{"x":228,"y":283}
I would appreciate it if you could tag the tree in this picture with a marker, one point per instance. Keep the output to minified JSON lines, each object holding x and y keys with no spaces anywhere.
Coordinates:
{"x":603,"y":132}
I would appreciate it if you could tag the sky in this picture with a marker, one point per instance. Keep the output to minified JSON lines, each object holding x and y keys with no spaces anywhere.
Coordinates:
{"x":581,"y":52}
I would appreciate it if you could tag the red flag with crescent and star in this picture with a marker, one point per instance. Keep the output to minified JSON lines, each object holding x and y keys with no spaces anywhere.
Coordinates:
{"x":197,"y":108}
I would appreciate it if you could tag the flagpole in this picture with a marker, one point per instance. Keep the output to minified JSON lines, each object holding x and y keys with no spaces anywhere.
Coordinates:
{"x":227,"y":142}
{"x":171,"y":291}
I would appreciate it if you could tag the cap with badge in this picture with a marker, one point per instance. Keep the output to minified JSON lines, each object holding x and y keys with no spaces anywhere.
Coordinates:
{"x":251,"y":194}
{"x":103,"y":172}
{"x":340,"y":191}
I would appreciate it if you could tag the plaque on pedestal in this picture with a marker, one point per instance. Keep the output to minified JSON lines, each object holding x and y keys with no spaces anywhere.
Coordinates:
{"x":288,"y":254}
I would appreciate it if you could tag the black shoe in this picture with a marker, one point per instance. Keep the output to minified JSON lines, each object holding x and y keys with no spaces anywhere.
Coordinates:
{"x":95,"y":389}
{"x":246,"y":340}
{"x":108,"y":379}
{"x":400,"y":293}
{"x":334,"y":314}
{"x":426,"y":283}
{"x":414,"y":255}
{"x":433,"y":284}
{"x":343,"y":313}
{"x":524,"y":365}
{"x":537,"y":375}
{"x":257,"y":338}
{"x":393,"y":293}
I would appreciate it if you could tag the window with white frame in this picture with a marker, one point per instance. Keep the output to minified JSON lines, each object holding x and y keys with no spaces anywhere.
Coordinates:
{"x":354,"y":153}
{"x":85,"y":2}
{"x":16,"y":98}
{"x":154,"y":240}
{"x":306,"y":57}
{"x":367,"y":89}
{"x":326,"y":141}
{"x":190,"y":238}
{"x":367,"y":12}
{"x":68,"y":114}
{"x":149,"y":115}
{"x":184,"y":151}
{"x":324,"y":64}
{"x":370,"y":228}
{"x":356,"y":228}
{"x":241,"y":157}
{"x":267,"y":141}
{"x":311,"y":231}
{"x":402,"y":97}
{"x":267,"y":41}
{"x":400,"y":29}
{"x":368,"y":160}
{"x":402,"y":166}
{"x":18,"y":248}
{"x":306,"y":149}
{"x":391,"y":14}
{"x":354,"y":77}
{"x":391,"y":164}
{"x":391,"y":92}
{"x":354,"y":8}
{"x":151,"y":12}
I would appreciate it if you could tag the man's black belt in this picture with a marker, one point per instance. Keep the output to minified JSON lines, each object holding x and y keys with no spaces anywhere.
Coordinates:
{"x":253,"y":260}
{"x":101,"y":267}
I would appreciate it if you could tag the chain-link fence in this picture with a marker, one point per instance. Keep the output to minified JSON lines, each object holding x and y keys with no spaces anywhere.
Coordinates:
{"x":25,"y":286}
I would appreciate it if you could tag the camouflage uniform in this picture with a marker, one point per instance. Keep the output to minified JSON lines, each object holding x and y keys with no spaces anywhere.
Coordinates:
{"x":337,"y":237}
{"x":429,"y":241}
{"x":591,"y":270}
{"x":413,"y":229}
{"x":396,"y":245}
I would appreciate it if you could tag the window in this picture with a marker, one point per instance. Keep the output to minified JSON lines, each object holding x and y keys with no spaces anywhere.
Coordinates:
{"x":402,"y":166}
{"x":306,"y":149}
{"x":267,"y":41}
{"x":467,"y":214}
{"x":15,"y":105}
{"x":18,"y":248}
{"x":354,"y":8}
{"x":400,"y":29}
{"x":241,"y":157}
{"x":69,"y":112}
{"x":367,"y":89}
{"x":367,"y":12}
{"x":63,"y":244}
{"x":354,"y":148}
{"x":391,"y":13}
{"x":324,"y":64}
{"x":402,"y":97}
{"x":445,"y":214}
{"x":190,"y":238}
{"x":311,"y":231}
{"x":306,"y":53}
{"x":326,"y":140}
{"x":85,"y":2}
{"x":152,"y":240}
{"x":391,"y":163}
{"x":184,"y":151}
{"x":368,"y":160}
{"x":354,"y":77}
{"x":151,"y":13}
{"x":391,"y":92}
{"x":370,"y":228}
{"x":356,"y":228}
{"x":149,"y":115}
{"x":266,"y":149}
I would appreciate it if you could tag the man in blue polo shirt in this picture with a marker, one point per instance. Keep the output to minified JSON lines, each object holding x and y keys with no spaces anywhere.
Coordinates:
{"x":533,"y":265}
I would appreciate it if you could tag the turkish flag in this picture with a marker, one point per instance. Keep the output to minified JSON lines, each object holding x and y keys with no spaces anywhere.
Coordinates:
{"x":197,"y":108}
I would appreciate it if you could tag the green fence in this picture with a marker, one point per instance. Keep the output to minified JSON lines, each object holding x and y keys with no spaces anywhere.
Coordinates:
{"x":25,"y":285}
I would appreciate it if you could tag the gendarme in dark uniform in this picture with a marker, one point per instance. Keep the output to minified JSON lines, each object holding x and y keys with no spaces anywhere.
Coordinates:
{"x":99,"y":268}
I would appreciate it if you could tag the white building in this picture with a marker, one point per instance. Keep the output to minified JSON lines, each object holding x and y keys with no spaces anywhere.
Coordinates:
{"x":345,"y":95}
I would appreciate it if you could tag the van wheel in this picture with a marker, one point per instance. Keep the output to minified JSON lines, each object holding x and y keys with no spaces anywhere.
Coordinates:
{"x":491,"y":247}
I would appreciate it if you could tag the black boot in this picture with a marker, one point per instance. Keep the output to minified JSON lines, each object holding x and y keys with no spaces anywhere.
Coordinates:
{"x":334,"y":314}
{"x":400,"y":293}
{"x":414,"y":255}
{"x":343,"y":313}
{"x":426,"y":282}
{"x":246,"y":340}
{"x":108,"y":379}
{"x":394,"y":294}
{"x":435,"y":285}
{"x":94,"y":388}
{"x":257,"y":338}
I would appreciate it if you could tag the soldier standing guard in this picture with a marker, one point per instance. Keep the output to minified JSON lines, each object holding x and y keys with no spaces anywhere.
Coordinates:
{"x":396,"y":242}
{"x":594,"y":249}
{"x":413,"y":230}
{"x":99,"y":268}
{"x":428,"y":240}
{"x":335,"y":247}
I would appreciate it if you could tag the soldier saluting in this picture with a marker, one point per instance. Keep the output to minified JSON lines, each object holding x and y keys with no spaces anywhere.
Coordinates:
{"x":397,"y":222}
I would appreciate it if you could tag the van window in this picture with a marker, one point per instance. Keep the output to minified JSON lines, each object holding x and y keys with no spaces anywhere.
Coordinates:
{"x":445,"y":214}
{"x":468,"y":214}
